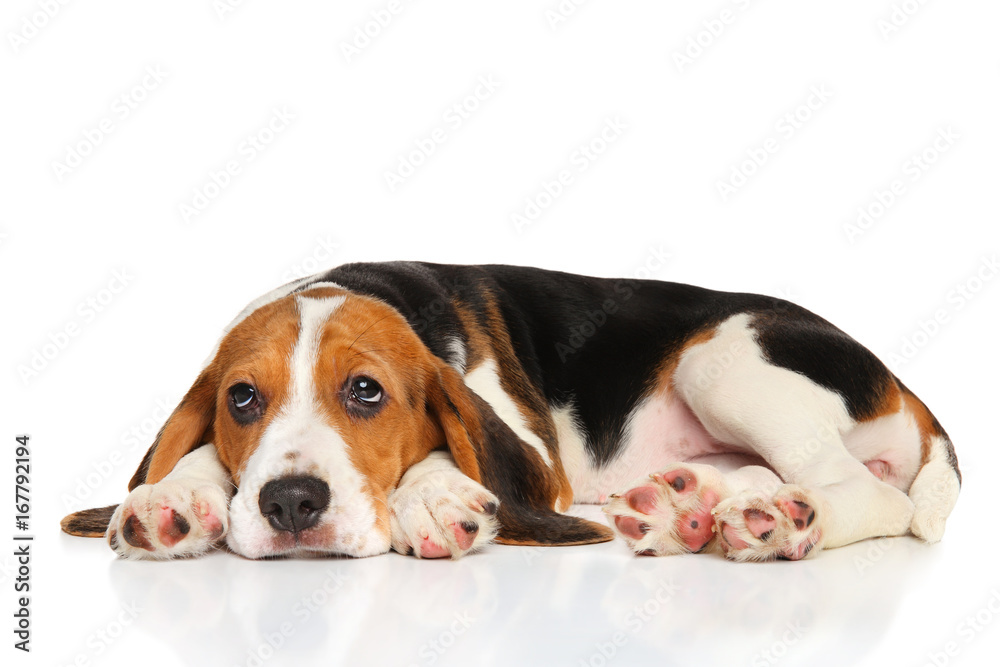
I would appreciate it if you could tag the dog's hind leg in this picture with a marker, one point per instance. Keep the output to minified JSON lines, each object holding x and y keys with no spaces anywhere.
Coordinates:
{"x":829,"y":497}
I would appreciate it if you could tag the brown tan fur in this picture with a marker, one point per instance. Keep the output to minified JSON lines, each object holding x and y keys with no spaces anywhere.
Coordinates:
{"x":664,"y":383}
{"x":927,"y":424}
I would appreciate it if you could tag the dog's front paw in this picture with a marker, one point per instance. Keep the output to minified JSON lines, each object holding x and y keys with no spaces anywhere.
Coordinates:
{"x":441,"y":513}
{"x":753,"y":527}
{"x":671,"y":513}
{"x":170,"y":519}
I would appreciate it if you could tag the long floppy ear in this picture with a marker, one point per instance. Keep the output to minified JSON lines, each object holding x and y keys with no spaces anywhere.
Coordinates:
{"x":488,"y":451}
{"x":188,"y":427}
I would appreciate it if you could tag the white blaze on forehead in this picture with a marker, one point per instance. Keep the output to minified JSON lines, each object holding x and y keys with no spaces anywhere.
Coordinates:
{"x":299,"y":441}
{"x":263,"y":300}
{"x":485,"y":381}
{"x":313,"y":315}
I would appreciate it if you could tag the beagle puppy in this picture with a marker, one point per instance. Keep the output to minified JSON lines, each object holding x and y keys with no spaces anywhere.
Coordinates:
{"x":431,"y":409}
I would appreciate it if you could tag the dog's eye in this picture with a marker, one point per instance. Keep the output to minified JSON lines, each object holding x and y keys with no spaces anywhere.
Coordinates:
{"x":366,"y":390}
{"x":244,"y":396}
{"x":246,"y":404}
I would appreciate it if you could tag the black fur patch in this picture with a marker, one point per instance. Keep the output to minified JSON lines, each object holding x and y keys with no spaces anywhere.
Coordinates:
{"x":796,"y":339}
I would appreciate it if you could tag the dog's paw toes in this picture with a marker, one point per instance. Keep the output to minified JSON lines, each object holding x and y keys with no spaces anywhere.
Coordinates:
{"x":171,"y":519}
{"x":670,"y":513}
{"x":753,"y":527}
{"x":442,"y":514}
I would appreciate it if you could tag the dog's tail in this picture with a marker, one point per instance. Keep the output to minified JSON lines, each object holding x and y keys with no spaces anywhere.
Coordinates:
{"x":934,"y":492}
{"x":88,"y":523}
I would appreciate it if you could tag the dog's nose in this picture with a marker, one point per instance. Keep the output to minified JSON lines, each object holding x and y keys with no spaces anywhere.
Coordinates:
{"x":294,"y":503}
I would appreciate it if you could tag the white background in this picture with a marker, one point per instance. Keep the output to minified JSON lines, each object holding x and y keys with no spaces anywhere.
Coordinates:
{"x":88,"y":382}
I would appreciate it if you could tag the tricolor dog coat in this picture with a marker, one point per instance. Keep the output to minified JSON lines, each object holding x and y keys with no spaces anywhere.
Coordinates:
{"x":431,"y":409}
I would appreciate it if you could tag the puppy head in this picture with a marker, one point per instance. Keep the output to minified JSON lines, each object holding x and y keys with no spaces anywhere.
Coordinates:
{"x":317,"y":403}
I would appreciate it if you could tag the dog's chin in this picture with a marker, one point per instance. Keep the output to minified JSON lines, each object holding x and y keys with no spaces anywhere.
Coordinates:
{"x":321,"y":541}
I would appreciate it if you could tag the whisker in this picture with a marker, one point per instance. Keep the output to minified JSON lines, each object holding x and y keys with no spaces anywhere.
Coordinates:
{"x":366,"y":331}
{"x":382,"y":349}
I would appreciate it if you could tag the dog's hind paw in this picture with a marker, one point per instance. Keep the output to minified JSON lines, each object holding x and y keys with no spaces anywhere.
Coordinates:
{"x":753,"y":527}
{"x":670,"y":513}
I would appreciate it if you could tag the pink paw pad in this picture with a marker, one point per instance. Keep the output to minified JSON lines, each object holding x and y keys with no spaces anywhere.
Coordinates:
{"x":696,"y":528}
{"x":631,"y":527}
{"x":759,"y":523}
{"x":681,"y":481}
{"x":801,"y":514}
{"x":430,"y":549}
{"x":801,"y":550}
{"x":465,"y":533}
{"x":731,"y":538}
{"x":211,"y":523}
{"x":171,"y":527}
{"x":643,"y":499}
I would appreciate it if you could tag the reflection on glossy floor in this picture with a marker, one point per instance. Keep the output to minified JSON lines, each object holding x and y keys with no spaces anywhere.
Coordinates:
{"x":894,"y":601}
